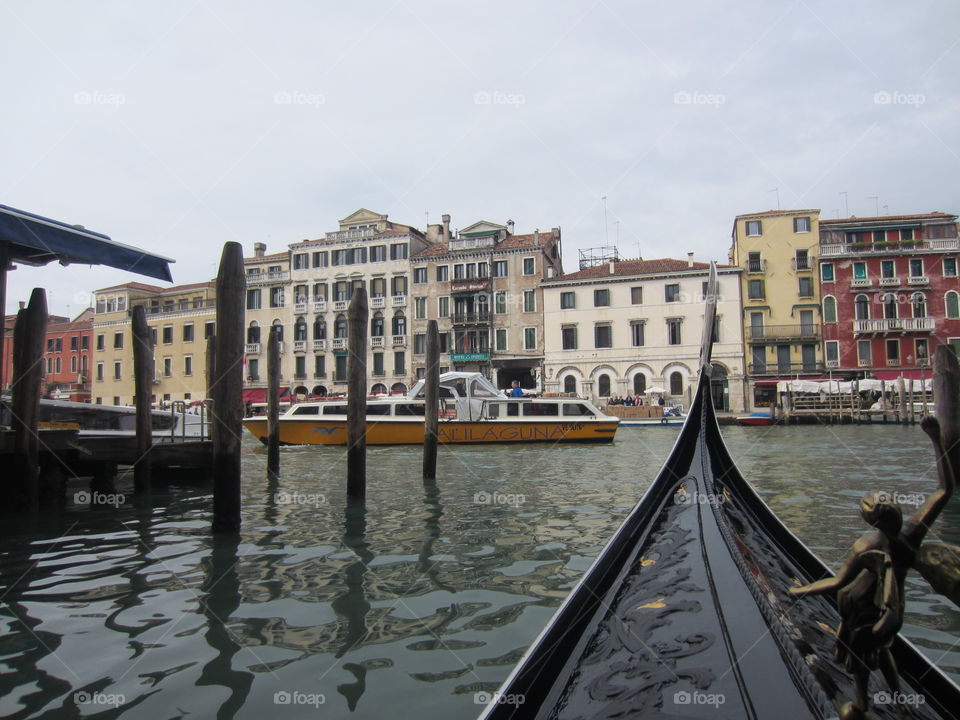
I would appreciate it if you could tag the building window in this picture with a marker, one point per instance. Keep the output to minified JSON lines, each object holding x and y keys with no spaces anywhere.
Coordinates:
{"x":100,"y":342}
{"x":74,"y":343}
{"x":570,"y":384}
{"x":399,"y":361}
{"x":636,"y":295}
{"x":893,"y":352}
{"x":754,"y":263}
{"x":916,"y":267}
{"x":676,"y":383}
{"x":117,"y":370}
{"x":398,"y":251}
{"x":755,"y":290}
{"x":529,"y":266}
{"x":419,"y":275}
{"x":419,"y":343}
{"x":529,"y":338}
{"x":500,"y":303}
{"x":801,"y":225}
{"x":830,"y":309}
{"x":276,"y":297}
{"x":458,"y":271}
{"x":300,"y":330}
{"x":73,"y":364}
{"x":922,"y":348}
{"x":863,"y":353}
{"x":671,"y":292}
{"x":398,"y":285}
{"x":906,"y":235}
{"x":499,"y":268}
{"x":99,"y":372}
{"x":188,"y":332}
{"x":888,"y":269}
{"x":861,"y":307}
{"x":168,"y":334}
{"x":859,"y":271}
{"x":805,"y":287}
{"x":952,"y":303}
{"x":673,"y":331}
{"x":603,"y":336}
{"x":639,"y":384}
{"x":601,"y":298}
{"x":301,"y":261}
{"x":833,"y":353}
{"x":636,"y":333}
{"x":208,"y":329}
{"x":919,"y":305}
{"x":568,"y":337}
{"x":320,"y":258}
{"x":754,"y":228}
{"x":890,"y":306}
{"x":420,"y":308}
{"x":378,"y":364}
{"x":501,"y":339}
{"x":568,"y":300}
{"x":117,"y":341}
{"x":168,"y":367}
{"x":826,"y":272}
{"x":603,"y":385}
{"x":443,"y":306}
{"x":949,"y":267}
{"x":529,"y":301}
{"x":801,"y":260}
{"x":188,"y":365}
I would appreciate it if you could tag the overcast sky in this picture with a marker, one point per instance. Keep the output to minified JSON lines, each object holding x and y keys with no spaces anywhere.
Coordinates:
{"x":177,"y":126}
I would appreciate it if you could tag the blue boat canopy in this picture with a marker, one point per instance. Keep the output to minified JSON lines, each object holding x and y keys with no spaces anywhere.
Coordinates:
{"x":34,"y":240}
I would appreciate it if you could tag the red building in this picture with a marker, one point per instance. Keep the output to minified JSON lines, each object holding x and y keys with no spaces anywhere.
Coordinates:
{"x":890,"y":292}
{"x":67,"y":358}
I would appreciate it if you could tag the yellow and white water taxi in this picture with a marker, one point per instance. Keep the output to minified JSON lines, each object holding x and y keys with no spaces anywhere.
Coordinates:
{"x":472,"y":410}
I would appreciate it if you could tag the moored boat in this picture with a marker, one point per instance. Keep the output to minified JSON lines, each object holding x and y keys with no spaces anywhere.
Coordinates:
{"x":757,"y":418}
{"x":472,"y":411}
{"x":688,"y":612}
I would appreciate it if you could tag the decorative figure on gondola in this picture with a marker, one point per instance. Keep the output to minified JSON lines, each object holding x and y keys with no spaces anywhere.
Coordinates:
{"x":869,"y":585}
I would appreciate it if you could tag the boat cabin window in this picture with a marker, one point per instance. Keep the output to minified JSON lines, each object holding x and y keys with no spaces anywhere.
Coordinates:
{"x":378,"y":409}
{"x":576,"y":409}
{"x":446,"y":392}
{"x":540,"y":409}
{"x":513,"y":409}
{"x":307,"y":410}
{"x":409,"y":409}
{"x":335,"y":410}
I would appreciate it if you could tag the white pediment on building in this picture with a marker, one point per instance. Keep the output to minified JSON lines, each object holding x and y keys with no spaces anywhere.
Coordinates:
{"x":483,"y":226}
{"x":362,"y":217}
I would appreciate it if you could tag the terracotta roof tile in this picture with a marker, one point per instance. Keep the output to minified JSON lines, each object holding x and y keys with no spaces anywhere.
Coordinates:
{"x":891,"y":218}
{"x":626,"y":268}
{"x":512,"y":242}
{"x":768,"y":213}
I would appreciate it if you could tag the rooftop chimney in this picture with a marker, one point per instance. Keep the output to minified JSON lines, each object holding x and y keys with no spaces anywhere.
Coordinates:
{"x":689,"y":259}
{"x":536,"y":235}
{"x":22,"y":304}
{"x":613,"y":267}
{"x":551,"y":272}
{"x":259,"y":249}
{"x":446,"y":226}
{"x":510,"y":226}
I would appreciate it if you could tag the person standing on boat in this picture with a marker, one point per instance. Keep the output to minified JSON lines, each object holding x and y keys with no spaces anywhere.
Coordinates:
{"x":515,"y":389}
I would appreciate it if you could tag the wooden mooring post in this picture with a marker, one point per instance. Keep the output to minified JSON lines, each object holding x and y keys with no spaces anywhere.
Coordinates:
{"x":901,"y":401}
{"x":273,"y":401}
{"x":143,"y":386}
{"x":357,"y":314}
{"x":29,"y":334}
{"x":228,"y":390}
{"x":431,"y":407}
{"x":211,"y":368}
{"x":946,"y":400}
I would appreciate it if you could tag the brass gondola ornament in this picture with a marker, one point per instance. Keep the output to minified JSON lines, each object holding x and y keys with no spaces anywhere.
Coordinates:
{"x":869,"y":585}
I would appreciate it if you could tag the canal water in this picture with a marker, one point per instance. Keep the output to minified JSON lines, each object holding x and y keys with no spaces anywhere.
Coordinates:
{"x":408,"y":606}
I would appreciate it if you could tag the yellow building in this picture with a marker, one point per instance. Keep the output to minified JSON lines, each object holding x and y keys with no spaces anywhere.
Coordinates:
{"x":180,"y":317}
{"x":781,"y":298}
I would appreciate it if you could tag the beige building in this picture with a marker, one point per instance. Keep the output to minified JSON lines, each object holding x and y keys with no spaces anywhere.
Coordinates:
{"x":180,"y":317}
{"x":268,"y":302}
{"x":625,"y":327}
{"x":781,"y":298}
{"x":368,"y":250}
{"x":482,"y":285}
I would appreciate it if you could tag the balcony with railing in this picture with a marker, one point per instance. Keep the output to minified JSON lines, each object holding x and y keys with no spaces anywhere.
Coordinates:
{"x":804,"y":263}
{"x":768,"y":333}
{"x":339,"y":343}
{"x":399,"y":341}
{"x":344,"y":235}
{"x":319,"y":306}
{"x":832,"y":364}
{"x":378,"y":302}
{"x":885,"y":325}
{"x":251,"y":349}
{"x":267,"y":278}
{"x":376,"y":341}
{"x":861,"y":282}
{"x":300,"y":346}
{"x":300,"y":308}
{"x":889,"y":282}
{"x":340,"y":305}
{"x":398,"y":301}
{"x":756,"y":266}
{"x":319,"y":345}
{"x":471,"y":318}
{"x":933,"y":245}
{"x":785,"y":369}
{"x":918,"y":280}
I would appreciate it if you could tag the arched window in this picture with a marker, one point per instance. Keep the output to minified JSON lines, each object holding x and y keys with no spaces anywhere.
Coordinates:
{"x":830,"y":309}
{"x":861,"y":307}
{"x":919,"y":303}
{"x":639,"y":384}
{"x":279,"y":326}
{"x":320,"y":390}
{"x":570,"y":384}
{"x":399,"y":324}
{"x":378,"y":389}
{"x":319,"y":329}
{"x":376,"y":325}
{"x":340,"y":327}
{"x":253,"y":333}
{"x":603,"y":385}
{"x":890,"y":306}
{"x":952,"y":302}
{"x":676,"y":383}
{"x":299,"y":390}
{"x":300,"y":329}
{"x":398,"y":388}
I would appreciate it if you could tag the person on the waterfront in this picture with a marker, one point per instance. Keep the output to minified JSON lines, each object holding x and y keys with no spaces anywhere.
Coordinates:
{"x":515,"y":389}
{"x":638,"y":400}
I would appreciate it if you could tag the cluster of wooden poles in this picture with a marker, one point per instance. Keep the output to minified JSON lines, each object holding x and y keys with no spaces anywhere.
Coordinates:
{"x":225,"y":352}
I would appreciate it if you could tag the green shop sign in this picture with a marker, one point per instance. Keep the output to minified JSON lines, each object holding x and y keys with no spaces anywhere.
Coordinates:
{"x":469,"y":357}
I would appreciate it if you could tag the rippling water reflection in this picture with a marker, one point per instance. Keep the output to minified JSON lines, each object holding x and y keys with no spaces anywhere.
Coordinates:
{"x":410,"y":603}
